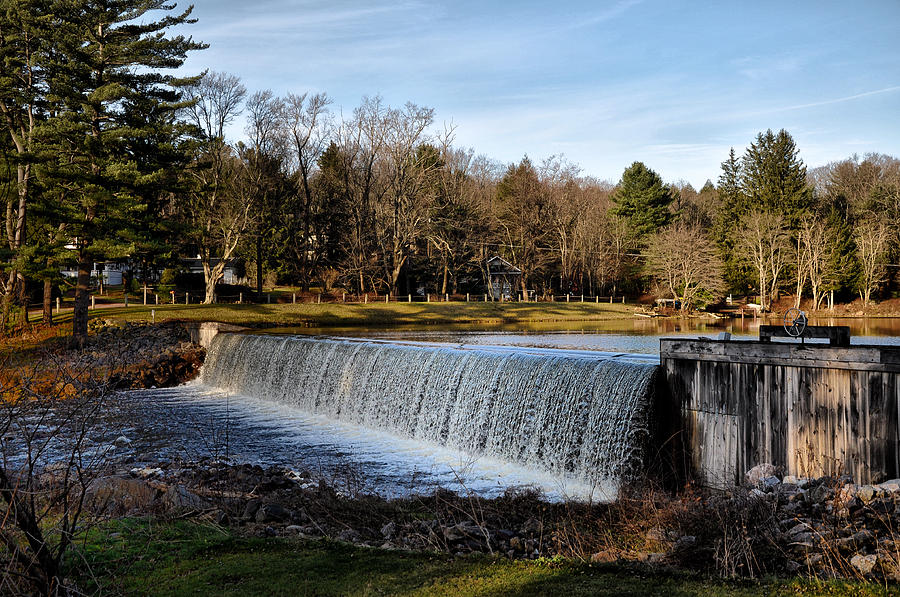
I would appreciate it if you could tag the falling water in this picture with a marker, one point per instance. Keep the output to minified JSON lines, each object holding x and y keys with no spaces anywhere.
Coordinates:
{"x":575,"y":416}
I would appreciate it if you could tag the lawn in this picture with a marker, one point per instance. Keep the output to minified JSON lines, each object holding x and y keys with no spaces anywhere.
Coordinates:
{"x":371,"y":314}
{"x":139,"y":557}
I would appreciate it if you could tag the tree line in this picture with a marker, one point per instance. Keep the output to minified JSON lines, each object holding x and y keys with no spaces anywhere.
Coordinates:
{"x":108,"y":156}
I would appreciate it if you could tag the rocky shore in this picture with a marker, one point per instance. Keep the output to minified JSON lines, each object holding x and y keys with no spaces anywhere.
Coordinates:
{"x":140,"y":355}
{"x":826,"y":527}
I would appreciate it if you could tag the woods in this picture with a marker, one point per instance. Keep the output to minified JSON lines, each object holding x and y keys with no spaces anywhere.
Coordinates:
{"x":110,"y":158}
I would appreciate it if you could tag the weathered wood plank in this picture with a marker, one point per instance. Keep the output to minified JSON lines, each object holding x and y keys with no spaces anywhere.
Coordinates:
{"x":812,"y":417}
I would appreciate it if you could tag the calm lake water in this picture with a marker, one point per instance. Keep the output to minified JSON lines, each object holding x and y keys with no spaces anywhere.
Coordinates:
{"x":638,"y":335}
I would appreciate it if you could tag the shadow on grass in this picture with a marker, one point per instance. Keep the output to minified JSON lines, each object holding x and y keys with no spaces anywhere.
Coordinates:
{"x":146,"y":558}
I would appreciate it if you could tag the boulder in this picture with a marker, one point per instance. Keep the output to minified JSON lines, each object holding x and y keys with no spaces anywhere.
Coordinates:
{"x":758,"y":473}
{"x":864,"y":563}
{"x":120,"y":495}
{"x":179,"y":497}
{"x":273,"y":513}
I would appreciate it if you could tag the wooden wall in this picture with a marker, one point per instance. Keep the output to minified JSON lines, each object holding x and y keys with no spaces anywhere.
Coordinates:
{"x":811,"y":409}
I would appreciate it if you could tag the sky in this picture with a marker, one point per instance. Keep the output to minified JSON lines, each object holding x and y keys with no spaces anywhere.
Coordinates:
{"x":671,"y":83}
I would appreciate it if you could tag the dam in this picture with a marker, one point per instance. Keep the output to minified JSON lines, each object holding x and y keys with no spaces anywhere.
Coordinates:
{"x":705,"y":410}
{"x":580,"y":415}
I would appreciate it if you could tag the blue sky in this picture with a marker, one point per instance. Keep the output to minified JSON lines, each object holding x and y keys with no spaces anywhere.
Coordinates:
{"x":673,"y":84}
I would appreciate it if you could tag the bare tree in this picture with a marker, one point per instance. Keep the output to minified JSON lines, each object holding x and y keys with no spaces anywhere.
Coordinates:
{"x":566,"y":208}
{"x":409,"y":169}
{"x":686,"y":262}
{"x":871,"y":249}
{"x":46,"y":466}
{"x":815,"y":259}
{"x":218,"y":215}
{"x":262,"y":163}
{"x":763,"y":239}
{"x":456,"y":224}
{"x":361,"y":142}
{"x":306,"y":127}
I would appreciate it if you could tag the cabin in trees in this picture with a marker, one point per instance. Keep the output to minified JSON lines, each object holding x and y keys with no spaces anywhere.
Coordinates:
{"x":504,"y":278}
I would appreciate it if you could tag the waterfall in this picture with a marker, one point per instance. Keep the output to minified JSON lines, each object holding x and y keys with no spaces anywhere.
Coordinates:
{"x":572,"y":415}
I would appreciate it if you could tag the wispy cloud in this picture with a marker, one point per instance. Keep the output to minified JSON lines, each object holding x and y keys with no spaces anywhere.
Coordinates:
{"x":837,"y":100}
{"x":603,"y":16}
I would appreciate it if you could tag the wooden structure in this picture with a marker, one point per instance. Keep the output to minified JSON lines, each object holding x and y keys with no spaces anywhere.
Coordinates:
{"x":837,"y":335}
{"x":504,"y":278}
{"x":812,"y":409}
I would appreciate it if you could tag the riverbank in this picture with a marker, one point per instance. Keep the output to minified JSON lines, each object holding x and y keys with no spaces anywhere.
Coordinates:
{"x":142,"y":557}
{"x":373,"y":314}
{"x":116,"y":356}
{"x":227,"y":525}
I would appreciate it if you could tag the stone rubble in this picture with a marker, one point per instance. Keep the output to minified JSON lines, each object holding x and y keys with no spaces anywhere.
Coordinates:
{"x":826,"y":527}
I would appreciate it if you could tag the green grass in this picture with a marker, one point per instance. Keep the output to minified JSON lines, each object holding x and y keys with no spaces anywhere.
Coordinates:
{"x":372,"y":314}
{"x":139,"y":557}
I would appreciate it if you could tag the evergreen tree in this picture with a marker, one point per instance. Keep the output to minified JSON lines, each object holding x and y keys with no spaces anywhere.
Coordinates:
{"x":773,"y":177}
{"x":732,"y":206}
{"x":114,"y":114}
{"x":524,"y":210}
{"x":25,"y":29}
{"x":643,"y":200}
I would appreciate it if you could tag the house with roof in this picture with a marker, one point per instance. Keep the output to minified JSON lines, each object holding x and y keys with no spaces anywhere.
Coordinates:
{"x":504,"y":278}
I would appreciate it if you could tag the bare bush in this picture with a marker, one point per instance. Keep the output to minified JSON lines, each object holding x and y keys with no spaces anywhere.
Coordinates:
{"x":48,"y":410}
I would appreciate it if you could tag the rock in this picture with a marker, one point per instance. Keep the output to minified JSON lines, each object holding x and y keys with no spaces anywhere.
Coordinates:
{"x":250,"y":509}
{"x":769,"y":483}
{"x":348,"y":536}
{"x":389,"y":530}
{"x":792,"y":566}
{"x":863,"y":538}
{"x":604,"y":557}
{"x":121,"y":442}
{"x":865,"y":494}
{"x":146,"y":472}
{"x":758,"y":472}
{"x":813,"y":560}
{"x":293,"y":529}
{"x":820,"y":494}
{"x":684,"y":542}
{"x":657,"y":535}
{"x":864,"y":563}
{"x":801,"y":547}
{"x":179,"y":497}
{"x":798,"y":529}
{"x":892,"y":486}
{"x":273,"y":513}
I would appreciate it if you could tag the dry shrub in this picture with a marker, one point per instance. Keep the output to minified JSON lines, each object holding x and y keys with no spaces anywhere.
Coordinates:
{"x":48,"y":411}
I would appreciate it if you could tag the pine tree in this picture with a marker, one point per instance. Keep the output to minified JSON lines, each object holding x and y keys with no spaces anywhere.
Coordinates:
{"x":114,"y":122}
{"x":773,"y":177}
{"x":732,"y":206}
{"x":643,"y":200}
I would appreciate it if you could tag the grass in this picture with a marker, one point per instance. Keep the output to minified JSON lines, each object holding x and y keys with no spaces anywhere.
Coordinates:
{"x":141,"y":557}
{"x":371,"y":314}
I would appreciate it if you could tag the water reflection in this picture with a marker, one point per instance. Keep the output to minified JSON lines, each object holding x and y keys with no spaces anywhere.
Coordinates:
{"x":637,"y":335}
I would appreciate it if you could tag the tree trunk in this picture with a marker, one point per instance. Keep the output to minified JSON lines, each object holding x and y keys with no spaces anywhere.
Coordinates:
{"x":211,"y":277}
{"x":47,"y":317}
{"x":259,"y":267}
{"x":82,"y":300}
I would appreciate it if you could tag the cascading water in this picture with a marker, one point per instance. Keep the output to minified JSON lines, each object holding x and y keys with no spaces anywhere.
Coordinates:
{"x":578,"y":417}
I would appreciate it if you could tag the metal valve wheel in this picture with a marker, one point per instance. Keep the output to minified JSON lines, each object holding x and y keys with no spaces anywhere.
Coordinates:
{"x":795,"y":322}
